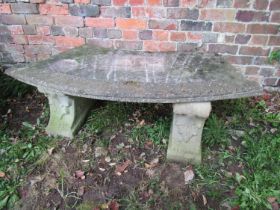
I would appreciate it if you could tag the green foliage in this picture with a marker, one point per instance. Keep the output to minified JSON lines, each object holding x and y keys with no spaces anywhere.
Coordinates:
{"x":274,"y":56}
{"x":157,"y":132}
{"x":17,"y":160}
{"x":215,"y":132}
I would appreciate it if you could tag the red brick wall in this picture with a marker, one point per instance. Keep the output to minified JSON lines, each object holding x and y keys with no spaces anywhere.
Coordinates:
{"x":244,"y":31}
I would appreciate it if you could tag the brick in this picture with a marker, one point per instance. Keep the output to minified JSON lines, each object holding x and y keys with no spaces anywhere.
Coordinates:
{"x":124,"y":12}
{"x":12,"y":19}
{"x":24,"y":8}
{"x":194,"y":37}
{"x":154,"y":46}
{"x":66,"y":1}
{"x":40,"y":39}
{"x":69,"y":41}
{"x":259,"y":40}
{"x":69,"y":21}
{"x":217,"y":14}
{"x":270,"y":82}
{"x":100,"y":22}
{"x":249,"y":16}
{"x":43,"y":30}
{"x":209,"y":37}
{"x":229,"y":27}
{"x":84,"y":10}
{"x":86,"y":32}
{"x":252,"y":70}
{"x":37,"y":1}
{"x":229,"y":38}
{"x":70,"y":31}
{"x":206,"y":3}
{"x":15,"y":29}
{"x":57,"y":31}
{"x":274,"y":41}
{"x":188,"y":3}
{"x":114,"y":34}
{"x":120,"y":2}
{"x":39,"y":20}
{"x":224,"y":3}
{"x":275,"y":17}
{"x":256,"y":51}
{"x":129,"y":45}
{"x":53,"y":9}
{"x":29,"y":29}
{"x":195,"y":25}
{"x":154,"y":2}
{"x":171,"y":3}
{"x":129,"y":35}
{"x":122,"y":23}
{"x":163,"y":24}
{"x":241,"y":60}
{"x":160,"y":35}
{"x":222,"y":48}
{"x":81,"y":1}
{"x":274,"y":5}
{"x":182,"y":13}
{"x":5,"y":9}
{"x":138,"y":11}
{"x":100,"y":32}
{"x":260,"y":4}
{"x":106,"y":43}
{"x":101,"y":2}
{"x":136,"y":2}
{"x":242,"y":39}
{"x":262,"y":29}
{"x":178,"y":36}
{"x":267,"y":72}
{"x":145,"y":35}
{"x":242,"y":3}
{"x":20,"y":39}
{"x":5,"y":34}
{"x":260,"y":60}
{"x":155,"y":12}
{"x":187,"y":47}
{"x":37,"y":49}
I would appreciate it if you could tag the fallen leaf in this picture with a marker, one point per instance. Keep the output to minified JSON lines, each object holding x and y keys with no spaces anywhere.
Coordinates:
{"x":102,"y":169}
{"x":50,"y":150}
{"x":142,"y":123}
{"x":120,"y":168}
{"x":271,"y":199}
{"x":81,"y":191}
{"x":2,"y":174}
{"x":85,"y":161}
{"x":152,"y":164}
{"x":189,"y":175}
{"x":120,"y":146}
{"x":108,"y":159}
{"x":113,"y":205}
{"x":204,"y":200}
{"x":79,"y":174}
{"x":100,"y":151}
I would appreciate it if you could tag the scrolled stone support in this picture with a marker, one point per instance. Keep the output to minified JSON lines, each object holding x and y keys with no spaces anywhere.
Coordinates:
{"x":186,"y":131}
{"x":67,"y":113}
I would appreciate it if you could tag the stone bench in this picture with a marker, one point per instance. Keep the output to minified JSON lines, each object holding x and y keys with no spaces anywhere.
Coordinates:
{"x":190,"y":81}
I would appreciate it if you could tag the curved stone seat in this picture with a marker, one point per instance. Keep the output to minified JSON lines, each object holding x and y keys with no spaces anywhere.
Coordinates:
{"x":188,"y":80}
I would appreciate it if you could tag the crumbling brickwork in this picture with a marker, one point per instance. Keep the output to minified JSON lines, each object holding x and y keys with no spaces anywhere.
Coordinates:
{"x":244,"y":31}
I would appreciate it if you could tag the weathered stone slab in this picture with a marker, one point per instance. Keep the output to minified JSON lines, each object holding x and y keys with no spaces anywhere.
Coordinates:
{"x":186,"y":130}
{"x":134,"y":76}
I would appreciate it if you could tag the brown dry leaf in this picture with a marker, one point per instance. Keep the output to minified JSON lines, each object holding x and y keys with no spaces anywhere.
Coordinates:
{"x":50,"y":150}
{"x":79,"y":174}
{"x":152,"y":164}
{"x":121,"y":167}
{"x":271,"y":199}
{"x":2,"y":174}
{"x":204,"y":200}
{"x":81,"y":191}
{"x":142,"y":123}
{"x":113,"y":205}
{"x":189,"y":175}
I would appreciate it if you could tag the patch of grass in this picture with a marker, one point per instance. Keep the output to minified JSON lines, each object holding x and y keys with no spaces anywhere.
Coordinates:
{"x":274,"y":56}
{"x":18,"y":158}
{"x":157,"y":132}
{"x":215,"y":132}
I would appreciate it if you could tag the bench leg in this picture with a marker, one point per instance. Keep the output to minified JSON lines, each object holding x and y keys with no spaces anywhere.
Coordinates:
{"x":67,"y":114}
{"x":186,"y":131}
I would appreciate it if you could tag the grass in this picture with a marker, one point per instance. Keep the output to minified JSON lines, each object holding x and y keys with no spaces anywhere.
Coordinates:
{"x":241,"y":153}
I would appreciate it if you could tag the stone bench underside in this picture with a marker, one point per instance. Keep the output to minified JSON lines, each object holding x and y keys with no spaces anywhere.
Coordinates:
{"x":188,"y":80}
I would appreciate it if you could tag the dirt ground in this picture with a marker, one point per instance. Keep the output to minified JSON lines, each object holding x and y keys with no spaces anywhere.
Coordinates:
{"x":80,"y":174}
